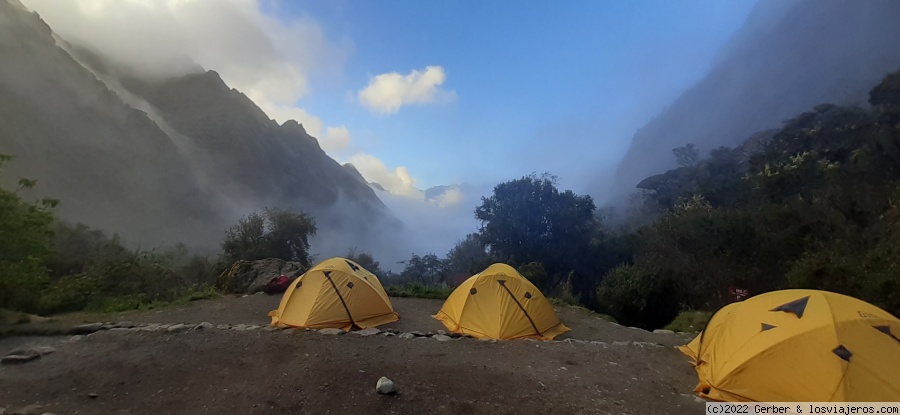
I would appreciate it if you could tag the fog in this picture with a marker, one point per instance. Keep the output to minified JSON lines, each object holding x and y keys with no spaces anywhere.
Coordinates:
{"x":786,"y":58}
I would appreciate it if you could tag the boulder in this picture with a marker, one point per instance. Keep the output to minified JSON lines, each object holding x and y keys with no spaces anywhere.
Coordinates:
{"x":371,"y":331}
{"x":252,"y":276}
{"x":385,"y":386}
{"x":331,"y":332}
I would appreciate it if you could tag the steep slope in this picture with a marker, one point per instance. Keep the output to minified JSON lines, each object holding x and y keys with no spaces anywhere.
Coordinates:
{"x":158,"y":160}
{"x":109,"y":163}
{"x":787,"y":58}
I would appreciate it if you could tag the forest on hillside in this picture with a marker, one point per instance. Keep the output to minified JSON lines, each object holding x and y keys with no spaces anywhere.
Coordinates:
{"x":814,"y":204}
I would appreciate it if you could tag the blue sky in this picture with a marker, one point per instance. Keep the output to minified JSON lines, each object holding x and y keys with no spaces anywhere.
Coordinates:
{"x":539,"y":86}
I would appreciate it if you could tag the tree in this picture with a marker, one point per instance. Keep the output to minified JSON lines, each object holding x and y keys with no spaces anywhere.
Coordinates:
{"x":530,"y":220}
{"x":367,"y":261}
{"x":468,"y":257}
{"x":276,"y":233}
{"x":686,"y":156}
{"x":25,"y":246}
{"x":427,"y":269}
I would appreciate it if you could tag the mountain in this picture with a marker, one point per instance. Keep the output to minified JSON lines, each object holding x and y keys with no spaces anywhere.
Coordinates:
{"x":788,"y":57}
{"x":157,"y":160}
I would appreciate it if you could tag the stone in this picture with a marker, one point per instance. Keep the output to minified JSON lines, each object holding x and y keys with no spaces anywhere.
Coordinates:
{"x":406,"y":335}
{"x":441,"y":337}
{"x":385,"y":386}
{"x":251,"y":327}
{"x":19,"y":356}
{"x":249,"y":277}
{"x":203,"y":325}
{"x":599,"y":343}
{"x":270,"y":328}
{"x":616,"y":344}
{"x":93,"y":395}
{"x":442,"y":332}
{"x":663,"y":331}
{"x":28,"y":410}
{"x":44,"y":350}
{"x":289,"y":331}
{"x":371,"y":331}
{"x":331,"y":332}
{"x":417,"y":333}
{"x":388,"y":334}
{"x":223,"y":327}
{"x":177,"y":327}
{"x":86,"y":328}
{"x":75,"y":338}
{"x":119,"y":329}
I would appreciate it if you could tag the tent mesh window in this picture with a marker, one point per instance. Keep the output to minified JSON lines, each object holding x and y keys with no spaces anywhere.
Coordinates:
{"x":797,"y":307}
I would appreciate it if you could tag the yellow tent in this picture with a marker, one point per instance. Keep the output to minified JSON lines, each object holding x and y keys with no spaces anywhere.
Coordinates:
{"x":499,"y":303}
{"x":335,"y":293}
{"x":798,"y":346}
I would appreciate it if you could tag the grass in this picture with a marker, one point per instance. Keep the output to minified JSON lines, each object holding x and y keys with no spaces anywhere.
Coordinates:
{"x":689,"y":321}
{"x":8,"y":317}
{"x":129,"y":303}
{"x":416,"y":290}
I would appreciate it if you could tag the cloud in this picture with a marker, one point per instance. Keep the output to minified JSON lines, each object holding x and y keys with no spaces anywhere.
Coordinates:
{"x":336,"y":139}
{"x":397,"y":181}
{"x":386,"y":93}
{"x":269,"y":60}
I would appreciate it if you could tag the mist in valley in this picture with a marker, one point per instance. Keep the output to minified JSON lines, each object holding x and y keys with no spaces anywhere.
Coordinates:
{"x":102,"y":130}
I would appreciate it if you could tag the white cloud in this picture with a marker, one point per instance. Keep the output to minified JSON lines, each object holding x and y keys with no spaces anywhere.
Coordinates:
{"x":336,"y":139}
{"x":451,"y":197}
{"x":397,"y":181}
{"x":269,"y":60}
{"x":386,"y":93}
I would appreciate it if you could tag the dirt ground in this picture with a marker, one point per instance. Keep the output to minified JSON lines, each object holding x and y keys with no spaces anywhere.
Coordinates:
{"x":217,"y":371}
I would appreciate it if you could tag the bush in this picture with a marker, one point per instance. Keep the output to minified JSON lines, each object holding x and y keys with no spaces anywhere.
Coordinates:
{"x":689,"y":321}
{"x":637,"y":297}
{"x":417,"y":290}
{"x":275,"y":233}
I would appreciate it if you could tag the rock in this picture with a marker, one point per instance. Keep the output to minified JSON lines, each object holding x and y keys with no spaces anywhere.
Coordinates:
{"x":371,"y":331}
{"x":441,"y":337}
{"x":86,"y":328}
{"x":388,"y":334}
{"x":45,"y":413}
{"x":119,"y":329}
{"x":252,"y":276}
{"x":75,"y":338}
{"x":28,"y":410}
{"x":442,"y":332}
{"x":270,"y":328}
{"x":331,"y":332}
{"x":19,"y":356}
{"x":251,"y":327}
{"x":455,"y":335}
{"x":417,"y":333}
{"x":289,"y":331}
{"x":44,"y":350}
{"x":223,"y":327}
{"x":615,"y":344}
{"x":93,"y":395}
{"x":406,"y":335}
{"x":177,"y":327}
{"x":239,"y":327}
{"x":637,"y":328}
{"x":385,"y":386}
{"x":662,"y":331}
{"x":599,"y":343}
{"x":203,"y":325}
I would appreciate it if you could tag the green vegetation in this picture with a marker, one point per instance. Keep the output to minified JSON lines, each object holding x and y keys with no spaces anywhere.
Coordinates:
{"x":689,"y":321}
{"x":276,"y":233}
{"x":417,"y":290}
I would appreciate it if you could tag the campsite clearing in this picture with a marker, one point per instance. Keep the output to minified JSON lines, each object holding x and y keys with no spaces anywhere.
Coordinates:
{"x":295,"y":371}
